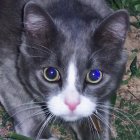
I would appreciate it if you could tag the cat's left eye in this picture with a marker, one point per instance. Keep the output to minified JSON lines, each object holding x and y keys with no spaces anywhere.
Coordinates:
{"x":94,"y":76}
{"x":51,"y":74}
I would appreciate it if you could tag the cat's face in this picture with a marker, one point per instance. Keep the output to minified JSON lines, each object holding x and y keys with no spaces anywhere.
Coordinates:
{"x":70,"y":64}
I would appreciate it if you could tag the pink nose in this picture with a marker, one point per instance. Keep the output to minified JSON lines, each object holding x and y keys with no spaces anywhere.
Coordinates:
{"x":72,"y":105}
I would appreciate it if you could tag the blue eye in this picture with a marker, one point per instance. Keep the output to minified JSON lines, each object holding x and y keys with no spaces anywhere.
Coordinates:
{"x":51,"y":74}
{"x":94,"y":76}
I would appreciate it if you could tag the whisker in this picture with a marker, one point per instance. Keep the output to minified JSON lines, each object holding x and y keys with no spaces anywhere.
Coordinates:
{"x":30,"y":103}
{"x":118,"y":118}
{"x":25,"y":109}
{"x":98,"y":51}
{"x":33,"y":56}
{"x":42,"y":50}
{"x":95,"y":53}
{"x":121,"y":112}
{"x":29,"y":117}
{"x":43,"y":126}
{"x":104,"y":121}
{"x":94,"y":126}
{"x":101,"y":118}
{"x":45,"y":48}
{"x":26,"y":104}
{"x":33,"y":115}
{"x":114,"y":109}
{"x":90,"y":126}
{"x":52,"y":123}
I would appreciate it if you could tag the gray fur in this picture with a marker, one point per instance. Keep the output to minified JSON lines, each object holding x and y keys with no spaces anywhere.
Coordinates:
{"x":85,"y":29}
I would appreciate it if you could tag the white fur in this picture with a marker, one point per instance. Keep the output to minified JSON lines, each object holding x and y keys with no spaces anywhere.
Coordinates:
{"x":57,"y":104}
{"x":71,"y":78}
{"x":70,"y":91}
{"x":35,"y":22}
{"x":34,"y":19}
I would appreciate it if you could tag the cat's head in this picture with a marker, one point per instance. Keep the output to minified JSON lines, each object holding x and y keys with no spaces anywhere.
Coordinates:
{"x":70,"y":63}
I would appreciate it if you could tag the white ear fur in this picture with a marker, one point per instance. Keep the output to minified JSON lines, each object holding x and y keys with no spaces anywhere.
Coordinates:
{"x":34,"y":23}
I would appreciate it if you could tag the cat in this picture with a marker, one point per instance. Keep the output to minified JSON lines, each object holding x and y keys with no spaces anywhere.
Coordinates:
{"x":61,"y":60}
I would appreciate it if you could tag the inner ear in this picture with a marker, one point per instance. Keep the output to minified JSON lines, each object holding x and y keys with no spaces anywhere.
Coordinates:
{"x":113,"y":29}
{"x":37,"y":23}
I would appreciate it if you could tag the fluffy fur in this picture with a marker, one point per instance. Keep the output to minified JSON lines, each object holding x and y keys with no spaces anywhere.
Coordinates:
{"x":74,"y":36}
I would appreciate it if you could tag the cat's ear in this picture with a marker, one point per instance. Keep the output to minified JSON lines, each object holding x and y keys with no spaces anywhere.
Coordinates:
{"x":37,"y":23}
{"x":113,"y":30}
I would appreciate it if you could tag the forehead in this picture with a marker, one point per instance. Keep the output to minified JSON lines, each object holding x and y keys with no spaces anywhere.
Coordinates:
{"x":76,"y":40}
{"x":74,"y":29}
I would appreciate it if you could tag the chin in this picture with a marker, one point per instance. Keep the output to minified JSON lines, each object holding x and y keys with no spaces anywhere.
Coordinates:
{"x":71,"y":118}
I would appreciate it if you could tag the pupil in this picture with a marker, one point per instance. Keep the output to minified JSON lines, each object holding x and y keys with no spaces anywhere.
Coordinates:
{"x":94,"y":75}
{"x":51,"y":73}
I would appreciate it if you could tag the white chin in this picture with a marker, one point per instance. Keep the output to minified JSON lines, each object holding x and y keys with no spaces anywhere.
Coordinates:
{"x":71,"y":118}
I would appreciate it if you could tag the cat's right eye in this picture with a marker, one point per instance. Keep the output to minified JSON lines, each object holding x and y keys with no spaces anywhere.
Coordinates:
{"x":51,"y":74}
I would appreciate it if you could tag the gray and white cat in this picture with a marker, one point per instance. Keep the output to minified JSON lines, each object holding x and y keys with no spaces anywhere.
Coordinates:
{"x":61,"y":60}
